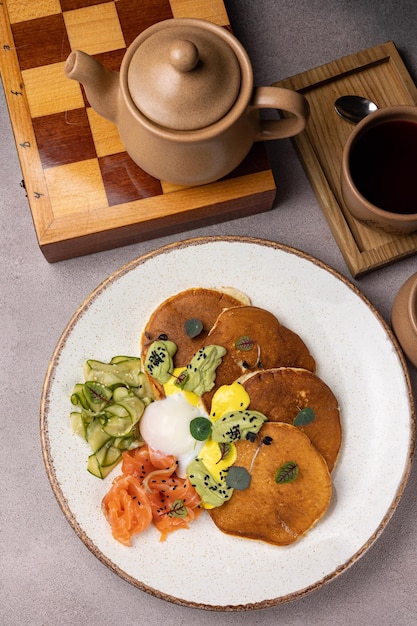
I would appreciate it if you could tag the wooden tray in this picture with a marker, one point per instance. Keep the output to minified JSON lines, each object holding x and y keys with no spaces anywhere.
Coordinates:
{"x":84,"y":192}
{"x":379,"y":74}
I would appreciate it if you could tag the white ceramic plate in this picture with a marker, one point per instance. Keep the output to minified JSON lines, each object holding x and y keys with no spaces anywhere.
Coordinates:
{"x":357,"y":356}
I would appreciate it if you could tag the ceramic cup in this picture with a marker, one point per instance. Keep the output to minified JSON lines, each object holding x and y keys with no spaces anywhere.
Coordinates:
{"x":379,"y":170}
{"x":404,"y":318}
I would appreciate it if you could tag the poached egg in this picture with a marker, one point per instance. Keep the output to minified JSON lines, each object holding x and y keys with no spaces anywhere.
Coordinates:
{"x":165,"y":425}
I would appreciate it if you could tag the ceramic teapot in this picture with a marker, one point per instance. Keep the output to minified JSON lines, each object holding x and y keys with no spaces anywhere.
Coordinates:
{"x":184,"y":101}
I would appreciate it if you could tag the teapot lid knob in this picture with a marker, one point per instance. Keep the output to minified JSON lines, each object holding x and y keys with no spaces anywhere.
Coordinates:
{"x":184,"y":55}
{"x":183,"y":74}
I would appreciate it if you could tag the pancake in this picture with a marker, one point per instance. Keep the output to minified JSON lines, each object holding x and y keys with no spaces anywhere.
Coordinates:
{"x":281,"y":393}
{"x":277,"y":513}
{"x":269,"y":344}
{"x":169,"y":317}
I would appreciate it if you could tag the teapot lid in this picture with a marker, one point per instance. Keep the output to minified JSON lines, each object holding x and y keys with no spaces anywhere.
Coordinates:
{"x":184,"y":76}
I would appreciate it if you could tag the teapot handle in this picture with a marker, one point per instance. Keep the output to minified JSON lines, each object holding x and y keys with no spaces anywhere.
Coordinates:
{"x":282,"y":99}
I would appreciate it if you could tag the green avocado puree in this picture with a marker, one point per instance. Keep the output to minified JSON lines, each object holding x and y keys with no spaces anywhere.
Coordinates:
{"x":158,"y":361}
{"x":211,"y":491}
{"x":236,"y":425}
{"x":201,"y":371}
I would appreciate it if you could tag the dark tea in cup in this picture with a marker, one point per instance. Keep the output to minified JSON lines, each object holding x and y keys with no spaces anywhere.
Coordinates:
{"x":379,"y":170}
{"x":383,"y":164}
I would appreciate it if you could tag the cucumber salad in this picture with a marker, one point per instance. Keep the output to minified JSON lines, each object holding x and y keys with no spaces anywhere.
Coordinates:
{"x":109,"y":404}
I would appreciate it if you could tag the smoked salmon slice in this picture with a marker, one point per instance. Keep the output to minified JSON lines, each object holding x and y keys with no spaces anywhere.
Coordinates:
{"x":148,"y":490}
{"x":127,"y":508}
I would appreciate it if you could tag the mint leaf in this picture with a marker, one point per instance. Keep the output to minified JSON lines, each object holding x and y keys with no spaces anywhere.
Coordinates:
{"x":238,"y":478}
{"x":304,"y":417}
{"x":193,"y":327}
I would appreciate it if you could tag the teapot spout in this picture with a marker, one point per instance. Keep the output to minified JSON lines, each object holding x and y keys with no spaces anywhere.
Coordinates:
{"x":100,"y":84}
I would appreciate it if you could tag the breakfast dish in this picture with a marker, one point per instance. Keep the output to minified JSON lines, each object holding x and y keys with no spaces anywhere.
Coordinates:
{"x":179,"y":420}
{"x":356,"y":355}
{"x":232,"y":423}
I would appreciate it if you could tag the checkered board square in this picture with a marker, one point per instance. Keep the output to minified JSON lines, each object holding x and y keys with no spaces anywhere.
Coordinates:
{"x":84,"y":191}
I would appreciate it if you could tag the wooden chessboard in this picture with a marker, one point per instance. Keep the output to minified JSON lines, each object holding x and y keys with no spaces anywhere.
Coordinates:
{"x":84,"y":191}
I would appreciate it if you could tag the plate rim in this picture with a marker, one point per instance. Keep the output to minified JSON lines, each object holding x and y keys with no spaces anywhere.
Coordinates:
{"x":48,"y":460}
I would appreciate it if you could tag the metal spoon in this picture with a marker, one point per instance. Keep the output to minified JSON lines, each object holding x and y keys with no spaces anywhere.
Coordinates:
{"x":354,"y":108}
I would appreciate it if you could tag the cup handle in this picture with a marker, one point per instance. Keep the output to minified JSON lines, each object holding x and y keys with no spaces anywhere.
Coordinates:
{"x":285,"y":100}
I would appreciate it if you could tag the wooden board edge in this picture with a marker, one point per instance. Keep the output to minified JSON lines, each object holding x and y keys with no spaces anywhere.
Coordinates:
{"x":346,"y":65}
{"x":176,"y":207}
{"x":21,"y":122}
{"x":259,"y":202}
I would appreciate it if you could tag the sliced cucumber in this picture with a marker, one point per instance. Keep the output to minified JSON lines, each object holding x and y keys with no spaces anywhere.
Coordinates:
{"x":113,"y":456}
{"x":119,"y":393}
{"x":80,"y":422}
{"x":120,"y":359}
{"x":94,"y":467}
{"x":124,"y":371}
{"x":118,"y":426}
{"x":77,"y":424}
{"x":143,"y":389}
{"x":134,"y":406}
{"x":97,"y":436}
{"x":87,"y":417}
{"x":78,"y":398}
{"x":117,"y":410}
{"x":105,"y":471}
{"x":126,"y":443}
{"x":108,"y":455}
